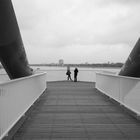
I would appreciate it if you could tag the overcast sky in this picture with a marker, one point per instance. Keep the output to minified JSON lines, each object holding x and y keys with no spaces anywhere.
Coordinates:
{"x":78,"y":31}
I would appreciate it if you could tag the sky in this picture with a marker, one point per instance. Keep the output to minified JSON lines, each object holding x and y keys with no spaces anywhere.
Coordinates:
{"x":78,"y":31}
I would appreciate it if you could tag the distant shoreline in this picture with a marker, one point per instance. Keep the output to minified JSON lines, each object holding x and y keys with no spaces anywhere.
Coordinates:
{"x":77,"y":66}
{"x":109,"y":66}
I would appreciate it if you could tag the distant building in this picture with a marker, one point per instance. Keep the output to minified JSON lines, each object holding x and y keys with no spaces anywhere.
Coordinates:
{"x":61,"y":62}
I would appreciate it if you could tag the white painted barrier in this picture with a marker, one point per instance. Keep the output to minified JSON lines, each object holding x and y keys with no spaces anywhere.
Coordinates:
{"x":125,"y":90}
{"x":16,"y":97}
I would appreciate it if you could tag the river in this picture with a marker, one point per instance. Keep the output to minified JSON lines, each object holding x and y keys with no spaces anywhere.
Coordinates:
{"x":59,"y":73}
{"x":85,"y":74}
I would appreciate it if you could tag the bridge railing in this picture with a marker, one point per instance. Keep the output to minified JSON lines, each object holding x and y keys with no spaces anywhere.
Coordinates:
{"x":125,"y":90}
{"x":16,"y":97}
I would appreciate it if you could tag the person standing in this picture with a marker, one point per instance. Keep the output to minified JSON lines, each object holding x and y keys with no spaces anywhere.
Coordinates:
{"x":75,"y":74}
{"x":68,"y":73}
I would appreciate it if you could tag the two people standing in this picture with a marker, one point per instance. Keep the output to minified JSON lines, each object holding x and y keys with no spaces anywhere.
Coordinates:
{"x":68,"y":73}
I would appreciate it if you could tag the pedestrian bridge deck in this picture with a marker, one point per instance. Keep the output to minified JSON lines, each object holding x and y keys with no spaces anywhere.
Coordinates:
{"x":77,"y":111}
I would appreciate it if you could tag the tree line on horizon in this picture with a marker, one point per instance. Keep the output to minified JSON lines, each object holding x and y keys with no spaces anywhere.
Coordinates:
{"x":119,"y":64}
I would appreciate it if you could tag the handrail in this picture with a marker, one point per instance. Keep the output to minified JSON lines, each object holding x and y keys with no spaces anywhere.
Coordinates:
{"x":119,"y":76}
{"x":23,"y":78}
{"x":16,"y":97}
{"x":124,"y":90}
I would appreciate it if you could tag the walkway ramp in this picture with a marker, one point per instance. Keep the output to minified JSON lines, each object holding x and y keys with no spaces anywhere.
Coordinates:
{"x":77,"y":111}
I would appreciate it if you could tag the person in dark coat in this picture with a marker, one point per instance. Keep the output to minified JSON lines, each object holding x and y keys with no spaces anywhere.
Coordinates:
{"x":75,"y":74}
{"x":68,"y":73}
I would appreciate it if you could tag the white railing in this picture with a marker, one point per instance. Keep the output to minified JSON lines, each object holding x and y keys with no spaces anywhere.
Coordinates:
{"x":125,"y":90}
{"x":16,"y":97}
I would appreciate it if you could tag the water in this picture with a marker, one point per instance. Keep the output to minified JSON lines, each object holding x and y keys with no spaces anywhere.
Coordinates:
{"x":59,"y":73}
{"x":85,"y":74}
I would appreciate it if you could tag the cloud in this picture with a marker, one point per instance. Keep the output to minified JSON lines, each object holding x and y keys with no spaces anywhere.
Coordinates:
{"x":54,"y":25}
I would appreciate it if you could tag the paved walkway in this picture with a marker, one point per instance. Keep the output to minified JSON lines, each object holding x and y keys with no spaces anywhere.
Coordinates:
{"x":77,"y":111}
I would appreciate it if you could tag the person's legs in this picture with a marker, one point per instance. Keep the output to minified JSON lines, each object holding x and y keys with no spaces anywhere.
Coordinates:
{"x":76,"y":78}
{"x":70,"y":78}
